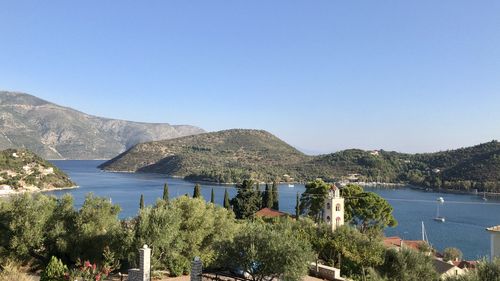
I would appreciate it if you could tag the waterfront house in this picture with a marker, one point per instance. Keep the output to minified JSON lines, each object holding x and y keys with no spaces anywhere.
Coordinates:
{"x":494,"y":241}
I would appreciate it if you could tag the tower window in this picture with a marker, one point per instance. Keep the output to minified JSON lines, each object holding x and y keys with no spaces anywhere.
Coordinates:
{"x":327,"y":218}
{"x":337,"y":208}
{"x":337,"y":221}
{"x":328,"y":206}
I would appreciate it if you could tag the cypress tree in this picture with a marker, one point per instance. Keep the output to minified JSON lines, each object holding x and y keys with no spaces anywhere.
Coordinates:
{"x":197,"y":191}
{"x":212,"y":197}
{"x":141,"y":202}
{"x":297,"y":207}
{"x":276,"y":199}
{"x":267,"y":198}
{"x":226,"y":200}
{"x":165,"y":193}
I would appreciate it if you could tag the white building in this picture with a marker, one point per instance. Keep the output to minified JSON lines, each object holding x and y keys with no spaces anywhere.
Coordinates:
{"x":494,"y":241}
{"x":333,"y":211}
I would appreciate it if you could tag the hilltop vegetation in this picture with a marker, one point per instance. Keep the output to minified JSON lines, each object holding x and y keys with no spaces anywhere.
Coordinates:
{"x":225,"y":156}
{"x":22,"y":170}
{"x":236,"y":155}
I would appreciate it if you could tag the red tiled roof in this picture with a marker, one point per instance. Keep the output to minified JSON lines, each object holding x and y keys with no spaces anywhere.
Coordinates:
{"x":270,"y":213}
{"x":465,"y":264}
{"x":395,"y":241}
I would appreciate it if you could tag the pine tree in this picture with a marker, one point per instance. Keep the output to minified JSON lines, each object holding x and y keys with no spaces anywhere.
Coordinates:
{"x":226,"y":200}
{"x":197,"y":191}
{"x":297,"y":207}
{"x":247,"y":201}
{"x":212,"y":197}
{"x":276,"y":199}
{"x":165,"y":193}
{"x":141,"y":202}
{"x":267,"y":198}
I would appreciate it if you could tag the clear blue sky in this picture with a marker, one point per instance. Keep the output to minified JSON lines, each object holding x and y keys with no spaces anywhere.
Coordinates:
{"x":410,"y":76}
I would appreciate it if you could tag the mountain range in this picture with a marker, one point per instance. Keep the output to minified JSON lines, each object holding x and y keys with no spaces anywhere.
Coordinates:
{"x":57,"y":132}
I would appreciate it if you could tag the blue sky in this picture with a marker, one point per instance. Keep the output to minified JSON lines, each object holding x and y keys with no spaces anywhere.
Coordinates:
{"x":411,"y":76}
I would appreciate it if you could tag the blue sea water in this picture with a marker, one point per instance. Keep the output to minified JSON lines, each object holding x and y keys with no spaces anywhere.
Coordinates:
{"x":467,"y":216}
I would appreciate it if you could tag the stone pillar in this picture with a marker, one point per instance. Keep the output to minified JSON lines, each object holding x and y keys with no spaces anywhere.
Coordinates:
{"x":145,"y":262}
{"x":143,"y":273}
{"x":196,"y":269}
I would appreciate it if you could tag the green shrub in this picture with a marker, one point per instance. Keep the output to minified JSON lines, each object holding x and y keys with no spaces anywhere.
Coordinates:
{"x":54,"y":271}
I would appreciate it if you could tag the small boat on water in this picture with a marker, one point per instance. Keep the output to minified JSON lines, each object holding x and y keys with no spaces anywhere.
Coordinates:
{"x":439,"y":218}
{"x":291,"y":185}
{"x":484,"y":196}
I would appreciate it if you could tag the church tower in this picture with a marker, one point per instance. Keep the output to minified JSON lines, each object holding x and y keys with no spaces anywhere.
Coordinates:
{"x":333,"y":210}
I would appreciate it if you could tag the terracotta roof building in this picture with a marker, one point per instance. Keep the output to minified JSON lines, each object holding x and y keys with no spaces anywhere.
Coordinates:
{"x":398,"y":243}
{"x":270,"y":213}
{"x":446,"y":269}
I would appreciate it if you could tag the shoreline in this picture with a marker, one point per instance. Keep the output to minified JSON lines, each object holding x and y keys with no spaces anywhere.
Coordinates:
{"x":14,"y":192}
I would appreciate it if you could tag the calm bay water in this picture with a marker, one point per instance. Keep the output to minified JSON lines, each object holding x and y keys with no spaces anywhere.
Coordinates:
{"x":467,"y":216}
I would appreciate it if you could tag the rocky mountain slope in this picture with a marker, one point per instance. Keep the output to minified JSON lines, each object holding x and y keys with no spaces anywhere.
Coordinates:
{"x":22,"y":170}
{"x":56,"y":132}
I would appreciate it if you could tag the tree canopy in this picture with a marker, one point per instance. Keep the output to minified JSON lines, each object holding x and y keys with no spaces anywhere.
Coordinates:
{"x":266,"y":251}
{"x":366,"y":210}
{"x":313,"y":199}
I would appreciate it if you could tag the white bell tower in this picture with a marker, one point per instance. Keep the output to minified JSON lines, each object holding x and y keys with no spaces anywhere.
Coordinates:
{"x":333,"y":210}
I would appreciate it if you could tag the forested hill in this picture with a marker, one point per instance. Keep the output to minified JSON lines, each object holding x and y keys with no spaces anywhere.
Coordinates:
{"x":22,"y":170}
{"x":225,"y":156}
{"x":234,"y":155}
{"x":465,"y":168}
{"x":472,"y":167}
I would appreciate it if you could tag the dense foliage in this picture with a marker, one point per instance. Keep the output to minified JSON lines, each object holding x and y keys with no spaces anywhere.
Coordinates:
{"x":313,"y":199}
{"x":38,"y":230}
{"x":265,"y":251}
{"x":407,"y":265}
{"x":367,"y":210}
{"x":247,"y":201}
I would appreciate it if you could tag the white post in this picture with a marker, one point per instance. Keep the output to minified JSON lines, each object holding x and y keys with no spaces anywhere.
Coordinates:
{"x":492,"y":246}
{"x":145,"y":262}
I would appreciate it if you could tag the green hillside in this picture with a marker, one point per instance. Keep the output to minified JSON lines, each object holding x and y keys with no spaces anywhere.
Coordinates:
{"x":225,"y":156}
{"x":234,"y":155}
{"x":22,"y":170}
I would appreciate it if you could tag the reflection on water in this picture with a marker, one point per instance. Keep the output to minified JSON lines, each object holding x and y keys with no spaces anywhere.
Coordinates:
{"x":466,"y":215}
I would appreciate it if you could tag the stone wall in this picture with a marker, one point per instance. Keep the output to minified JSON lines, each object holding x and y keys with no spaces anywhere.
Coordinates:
{"x":325,"y":272}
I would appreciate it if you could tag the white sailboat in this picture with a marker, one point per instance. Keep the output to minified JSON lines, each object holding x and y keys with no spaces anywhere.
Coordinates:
{"x":439,"y":218}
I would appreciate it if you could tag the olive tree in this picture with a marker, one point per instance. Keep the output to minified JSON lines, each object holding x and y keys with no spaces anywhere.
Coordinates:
{"x":267,"y":251}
